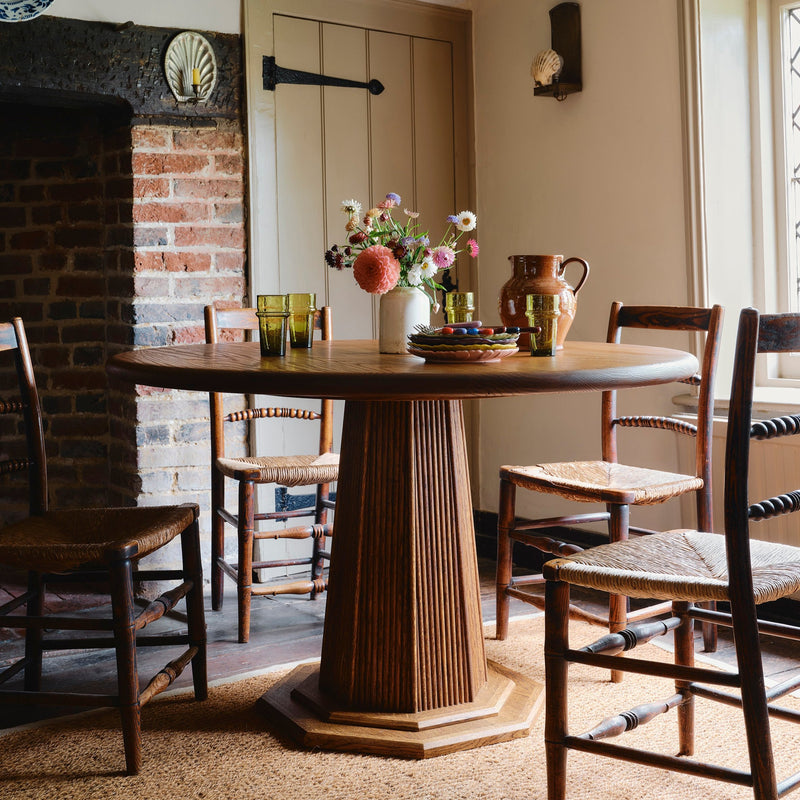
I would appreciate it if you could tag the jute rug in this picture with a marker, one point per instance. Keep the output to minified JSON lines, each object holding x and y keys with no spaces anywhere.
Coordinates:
{"x":222,"y":749}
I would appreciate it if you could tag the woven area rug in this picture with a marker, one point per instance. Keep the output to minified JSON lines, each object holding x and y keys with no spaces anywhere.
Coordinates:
{"x":223,"y":749}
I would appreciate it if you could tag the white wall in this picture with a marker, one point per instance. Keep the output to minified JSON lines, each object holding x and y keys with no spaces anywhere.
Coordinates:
{"x":599,"y":175}
{"x":222,"y":16}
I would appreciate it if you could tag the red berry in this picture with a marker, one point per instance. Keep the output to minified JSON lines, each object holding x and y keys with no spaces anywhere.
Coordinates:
{"x":447,"y":330}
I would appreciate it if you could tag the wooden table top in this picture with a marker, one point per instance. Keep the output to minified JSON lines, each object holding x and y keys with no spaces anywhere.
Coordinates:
{"x":356,"y":370}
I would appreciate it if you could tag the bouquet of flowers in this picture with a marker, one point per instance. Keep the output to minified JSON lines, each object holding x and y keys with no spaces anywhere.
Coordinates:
{"x":384,"y":254}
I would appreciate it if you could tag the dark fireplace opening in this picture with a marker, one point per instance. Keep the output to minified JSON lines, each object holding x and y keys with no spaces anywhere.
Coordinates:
{"x":66,"y":256}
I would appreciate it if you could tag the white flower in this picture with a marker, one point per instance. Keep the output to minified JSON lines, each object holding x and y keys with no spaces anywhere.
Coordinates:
{"x":428,"y":269}
{"x":351,"y":207}
{"x":466,"y":221}
{"x":415,"y":275}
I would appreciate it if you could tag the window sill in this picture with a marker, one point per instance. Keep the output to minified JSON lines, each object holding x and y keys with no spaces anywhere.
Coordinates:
{"x":768,"y":401}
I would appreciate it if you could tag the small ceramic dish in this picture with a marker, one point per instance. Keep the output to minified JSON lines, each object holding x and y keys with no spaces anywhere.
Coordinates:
{"x":461,"y":355}
{"x":21,"y":10}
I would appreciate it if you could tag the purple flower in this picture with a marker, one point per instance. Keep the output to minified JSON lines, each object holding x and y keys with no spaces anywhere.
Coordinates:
{"x":453,"y":219}
{"x":394,"y":198}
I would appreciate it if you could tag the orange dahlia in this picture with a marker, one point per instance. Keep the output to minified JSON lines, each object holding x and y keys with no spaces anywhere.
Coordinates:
{"x":376,"y":270}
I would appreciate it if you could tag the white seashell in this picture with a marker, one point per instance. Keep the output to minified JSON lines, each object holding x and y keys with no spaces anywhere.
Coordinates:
{"x":186,"y":52}
{"x":546,"y":66}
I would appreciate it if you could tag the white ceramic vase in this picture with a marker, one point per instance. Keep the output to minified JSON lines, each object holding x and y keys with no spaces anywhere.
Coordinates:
{"x":401,"y":309}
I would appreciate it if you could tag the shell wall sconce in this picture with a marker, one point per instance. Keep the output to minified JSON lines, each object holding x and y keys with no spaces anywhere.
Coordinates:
{"x":546,"y":67}
{"x":557,"y":71}
{"x":190,"y":67}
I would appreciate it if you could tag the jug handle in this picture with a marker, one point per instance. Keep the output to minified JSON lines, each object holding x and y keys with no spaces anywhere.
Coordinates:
{"x":583,"y":277}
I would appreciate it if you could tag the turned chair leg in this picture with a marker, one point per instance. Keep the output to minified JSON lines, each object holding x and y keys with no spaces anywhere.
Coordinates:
{"x":754,"y":703}
{"x":193,"y":570}
{"x":121,"y":576}
{"x":217,"y":540}
{"x":617,"y":603}
{"x":318,"y":544}
{"x":556,"y":643}
{"x":33,"y":636}
{"x":244,"y":578}
{"x":505,"y":524}
{"x":709,"y":629}
{"x":684,"y":655}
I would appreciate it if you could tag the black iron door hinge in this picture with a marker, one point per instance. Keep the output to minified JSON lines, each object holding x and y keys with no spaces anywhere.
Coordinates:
{"x":273,"y":75}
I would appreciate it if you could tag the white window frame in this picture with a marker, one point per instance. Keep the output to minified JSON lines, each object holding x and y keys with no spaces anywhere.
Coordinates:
{"x":733,"y":87}
{"x":787,"y":196}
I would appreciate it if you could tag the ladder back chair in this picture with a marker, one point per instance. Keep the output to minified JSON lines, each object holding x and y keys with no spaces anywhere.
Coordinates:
{"x":318,"y":469}
{"x":687,"y":568}
{"x":617,"y":485}
{"x":89,"y":545}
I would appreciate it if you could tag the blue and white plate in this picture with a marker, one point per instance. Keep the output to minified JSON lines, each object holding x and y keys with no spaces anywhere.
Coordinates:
{"x":21,"y":10}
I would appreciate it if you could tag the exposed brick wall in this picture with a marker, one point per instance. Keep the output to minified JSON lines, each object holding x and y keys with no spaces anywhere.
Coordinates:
{"x":189,"y":250}
{"x":111,"y":238}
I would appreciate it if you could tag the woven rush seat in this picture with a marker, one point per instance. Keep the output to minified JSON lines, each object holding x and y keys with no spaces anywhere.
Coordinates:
{"x":602,"y":480}
{"x":68,"y":539}
{"x":683,"y":565}
{"x":304,"y":470}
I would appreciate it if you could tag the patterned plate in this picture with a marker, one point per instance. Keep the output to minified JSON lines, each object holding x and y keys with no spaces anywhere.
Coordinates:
{"x":21,"y":10}
{"x":455,"y":356}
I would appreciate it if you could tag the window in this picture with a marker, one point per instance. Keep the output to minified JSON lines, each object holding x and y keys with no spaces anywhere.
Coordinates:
{"x":786,"y":56}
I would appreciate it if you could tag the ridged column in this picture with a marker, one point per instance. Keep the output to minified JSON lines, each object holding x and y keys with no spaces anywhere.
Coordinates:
{"x":403,"y":622}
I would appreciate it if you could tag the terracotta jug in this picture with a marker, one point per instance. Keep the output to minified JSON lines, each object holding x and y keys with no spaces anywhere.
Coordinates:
{"x":540,"y":275}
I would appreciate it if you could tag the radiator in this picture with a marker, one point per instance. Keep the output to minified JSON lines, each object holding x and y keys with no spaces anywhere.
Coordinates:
{"x":774,"y":469}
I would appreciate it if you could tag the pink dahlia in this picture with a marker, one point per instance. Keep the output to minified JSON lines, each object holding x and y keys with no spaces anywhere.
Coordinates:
{"x":472,"y":247}
{"x":376,"y":270}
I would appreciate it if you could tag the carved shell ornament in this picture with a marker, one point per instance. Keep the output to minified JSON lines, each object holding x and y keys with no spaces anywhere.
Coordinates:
{"x":188,"y":52}
{"x":546,"y":67}
{"x":22,"y":10}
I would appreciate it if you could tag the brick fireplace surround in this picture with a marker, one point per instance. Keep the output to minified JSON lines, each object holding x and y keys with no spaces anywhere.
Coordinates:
{"x":122,"y":213}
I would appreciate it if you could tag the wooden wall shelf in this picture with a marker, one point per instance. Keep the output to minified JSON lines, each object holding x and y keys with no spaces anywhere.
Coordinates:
{"x":565,"y":39}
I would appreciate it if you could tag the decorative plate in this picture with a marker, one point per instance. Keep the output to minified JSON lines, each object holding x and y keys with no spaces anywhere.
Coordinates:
{"x":21,"y":10}
{"x":454,"y":356}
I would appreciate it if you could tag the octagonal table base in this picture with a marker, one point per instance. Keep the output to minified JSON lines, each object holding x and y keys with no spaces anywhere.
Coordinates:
{"x":504,"y":709}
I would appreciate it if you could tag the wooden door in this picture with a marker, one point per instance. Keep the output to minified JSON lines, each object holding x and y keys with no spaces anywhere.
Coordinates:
{"x":311,"y":147}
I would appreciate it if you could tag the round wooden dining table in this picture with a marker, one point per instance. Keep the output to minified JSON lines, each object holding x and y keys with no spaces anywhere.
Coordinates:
{"x":403,"y":670}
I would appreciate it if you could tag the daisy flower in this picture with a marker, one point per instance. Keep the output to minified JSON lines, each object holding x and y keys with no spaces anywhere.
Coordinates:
{"x":415,"y":275}
{"x":466,"y":221}
{"x":472,"y":247}
{"x":351,"y":207}
{"x":428,"y":269}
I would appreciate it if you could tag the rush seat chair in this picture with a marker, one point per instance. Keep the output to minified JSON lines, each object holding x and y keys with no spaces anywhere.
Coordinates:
{"x":97,"y":545}
{"x":318,"y":469}
{"x":607,"y":481}
{"x":688,"y":568}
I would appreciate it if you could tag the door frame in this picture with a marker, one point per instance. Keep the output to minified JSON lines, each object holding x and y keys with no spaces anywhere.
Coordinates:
{"x":398,"y":16}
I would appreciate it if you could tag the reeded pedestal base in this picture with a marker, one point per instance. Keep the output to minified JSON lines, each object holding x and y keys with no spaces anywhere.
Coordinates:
{"x":504,"y":709}
{"x":403,"y":670}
